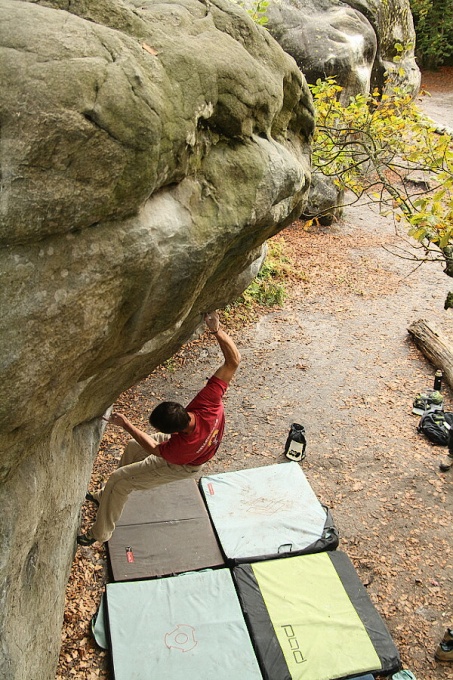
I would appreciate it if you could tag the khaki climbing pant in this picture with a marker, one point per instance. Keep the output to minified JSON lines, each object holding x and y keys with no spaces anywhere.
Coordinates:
{"x":137,"y":470}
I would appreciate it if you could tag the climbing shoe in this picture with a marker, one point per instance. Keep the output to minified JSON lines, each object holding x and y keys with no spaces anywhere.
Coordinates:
{"x":444,"y":651}
{"x":91,"y":498}
{"x":85,"y":540}
{"x":446,"y":464}
{"x":448,"y":635}
{"x":429,"y":400}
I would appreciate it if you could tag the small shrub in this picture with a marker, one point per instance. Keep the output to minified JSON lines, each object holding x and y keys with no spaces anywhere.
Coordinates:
{"x":266,"y":288}
{"x":433,"y":23}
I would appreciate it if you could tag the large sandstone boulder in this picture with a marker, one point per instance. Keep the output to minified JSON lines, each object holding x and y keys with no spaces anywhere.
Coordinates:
{"x":353,"y":41}
{"x":147,"y":152}
{"x":326,"y":39}
{"x":393,"y":24}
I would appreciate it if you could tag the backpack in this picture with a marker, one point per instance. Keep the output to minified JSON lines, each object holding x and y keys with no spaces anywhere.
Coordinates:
{"x":437,"y":426}
{"x":296,"y":443}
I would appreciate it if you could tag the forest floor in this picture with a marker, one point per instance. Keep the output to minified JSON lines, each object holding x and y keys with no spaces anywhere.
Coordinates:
{"x":336,"y":357}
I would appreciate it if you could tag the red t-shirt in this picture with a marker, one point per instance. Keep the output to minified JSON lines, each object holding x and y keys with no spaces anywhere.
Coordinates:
{"x":201,"y":444}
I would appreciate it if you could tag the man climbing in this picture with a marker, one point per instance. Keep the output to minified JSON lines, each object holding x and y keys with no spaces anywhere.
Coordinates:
{"x":187,"y":438}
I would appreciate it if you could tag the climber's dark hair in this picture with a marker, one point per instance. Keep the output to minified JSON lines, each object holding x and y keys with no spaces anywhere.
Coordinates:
{"x":169,"y":417}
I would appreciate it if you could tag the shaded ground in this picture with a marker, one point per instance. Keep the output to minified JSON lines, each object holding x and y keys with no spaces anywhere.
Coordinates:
{"x":337,"y":358}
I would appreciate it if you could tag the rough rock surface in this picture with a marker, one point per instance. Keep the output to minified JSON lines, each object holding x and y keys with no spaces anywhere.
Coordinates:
{"x":326,"y":39}
{"x":147,"y":151}
{"x":392,"y":22}
{"x":353,"y":41}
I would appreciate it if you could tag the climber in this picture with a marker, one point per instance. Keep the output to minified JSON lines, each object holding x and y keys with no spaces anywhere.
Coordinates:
{"x":186,"y":439}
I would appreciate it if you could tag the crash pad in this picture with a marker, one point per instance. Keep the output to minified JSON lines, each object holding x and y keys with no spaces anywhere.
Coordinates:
{"x":186,"y":627}
{"x":162,"y":531}
{"x":263,"y":512}
{"x":311,"y":618}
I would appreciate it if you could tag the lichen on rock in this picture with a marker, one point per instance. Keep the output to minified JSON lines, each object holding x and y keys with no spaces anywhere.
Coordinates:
{"x":148,"y":150}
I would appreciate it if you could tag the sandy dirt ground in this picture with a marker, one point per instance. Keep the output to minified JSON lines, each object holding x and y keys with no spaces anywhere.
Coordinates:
{"x":438,"y":103}
{"x":337,"y":358}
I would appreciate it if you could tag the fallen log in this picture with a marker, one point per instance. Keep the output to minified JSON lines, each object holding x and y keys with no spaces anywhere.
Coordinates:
{"x":435,"y":347}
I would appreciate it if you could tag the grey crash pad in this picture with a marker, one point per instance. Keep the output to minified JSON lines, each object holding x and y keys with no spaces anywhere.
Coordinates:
{"x":163,"y":531}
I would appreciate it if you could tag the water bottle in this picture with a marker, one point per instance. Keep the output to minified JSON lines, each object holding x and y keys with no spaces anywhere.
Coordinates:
{"x":438,"y":380}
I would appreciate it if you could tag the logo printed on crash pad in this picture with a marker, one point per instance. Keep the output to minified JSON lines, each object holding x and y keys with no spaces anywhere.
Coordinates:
{"x":293,"y":643}
{"x":182,"y":638}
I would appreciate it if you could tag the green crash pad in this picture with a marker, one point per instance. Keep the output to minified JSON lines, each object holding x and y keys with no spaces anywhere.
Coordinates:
{"x":311,"y":619}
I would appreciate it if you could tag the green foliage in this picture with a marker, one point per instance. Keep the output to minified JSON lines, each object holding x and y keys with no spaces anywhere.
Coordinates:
{"x":265,"y":288}
{"x":171,"y":365}
{"x":257,"y":10}
{"x":373,"y":144}
{"x":433,"y":22}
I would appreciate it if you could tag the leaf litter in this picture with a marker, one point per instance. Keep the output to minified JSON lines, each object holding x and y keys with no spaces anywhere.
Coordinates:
{"x":336,"y":357}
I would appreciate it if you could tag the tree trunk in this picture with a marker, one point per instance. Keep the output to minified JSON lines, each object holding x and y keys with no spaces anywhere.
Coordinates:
{"x":435,"y":347}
